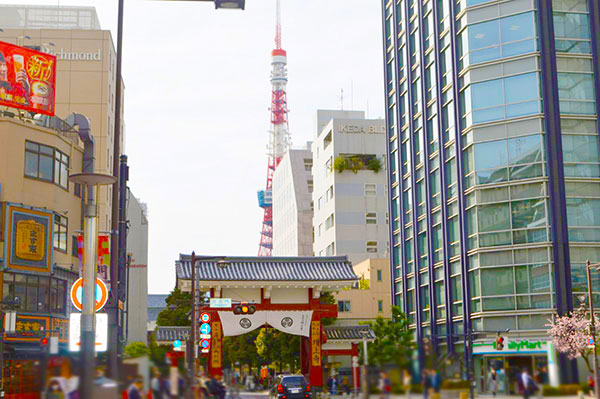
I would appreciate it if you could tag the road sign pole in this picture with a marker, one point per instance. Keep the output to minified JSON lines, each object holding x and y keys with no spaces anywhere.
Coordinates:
{"x":88,"y":311}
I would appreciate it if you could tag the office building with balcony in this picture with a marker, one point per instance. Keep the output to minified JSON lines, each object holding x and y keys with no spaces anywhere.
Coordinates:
{"x":494,"y":171}
{"x":349,"y":197}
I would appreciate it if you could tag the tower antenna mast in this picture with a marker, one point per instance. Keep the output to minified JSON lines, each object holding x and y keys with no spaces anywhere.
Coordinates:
{"x":279,"y":135}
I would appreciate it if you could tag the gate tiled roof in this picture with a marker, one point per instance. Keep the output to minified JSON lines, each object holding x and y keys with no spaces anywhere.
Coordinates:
{"x":335,"y":268}
{"x":349,"y":333}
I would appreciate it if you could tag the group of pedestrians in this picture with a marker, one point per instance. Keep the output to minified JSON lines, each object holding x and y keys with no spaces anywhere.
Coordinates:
{"x":430,"y":379}
{"x":206,"y":388}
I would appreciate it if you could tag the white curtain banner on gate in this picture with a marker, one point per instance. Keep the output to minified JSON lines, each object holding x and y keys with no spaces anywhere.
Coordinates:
{"x":238,"y":324}
{"x":295,"y":323}
{"x":291,"y":322}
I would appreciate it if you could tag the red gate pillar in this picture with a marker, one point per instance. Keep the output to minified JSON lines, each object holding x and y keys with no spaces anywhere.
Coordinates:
{"x":304,"y":355}
{"x":316,"y":357}
{"x":215,"y":355}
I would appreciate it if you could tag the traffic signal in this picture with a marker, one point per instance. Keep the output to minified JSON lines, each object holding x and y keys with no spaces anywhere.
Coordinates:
{"x":244,"y":308}
{"x":44,"y":344}
{"x":499,"y":343}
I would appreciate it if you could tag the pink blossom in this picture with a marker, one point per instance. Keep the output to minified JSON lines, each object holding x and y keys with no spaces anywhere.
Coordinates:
{"x":570,"y":333}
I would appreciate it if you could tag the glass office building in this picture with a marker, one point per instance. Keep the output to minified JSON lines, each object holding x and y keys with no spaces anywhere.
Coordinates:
{"x":494,"y":168}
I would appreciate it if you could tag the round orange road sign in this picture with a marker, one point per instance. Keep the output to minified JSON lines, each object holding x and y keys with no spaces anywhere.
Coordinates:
{"x":101,"y":294}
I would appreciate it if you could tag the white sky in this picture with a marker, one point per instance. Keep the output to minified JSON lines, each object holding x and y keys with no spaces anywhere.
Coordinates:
{"x":196,"y":107}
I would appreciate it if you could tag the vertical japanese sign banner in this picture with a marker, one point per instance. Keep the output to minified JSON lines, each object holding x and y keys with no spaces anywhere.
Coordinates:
{"x":103,"y":253}
{"x":315,"y":343}
{"x":27,"y":79}
{"x":30,"y":239}
{"x":216,"y":348}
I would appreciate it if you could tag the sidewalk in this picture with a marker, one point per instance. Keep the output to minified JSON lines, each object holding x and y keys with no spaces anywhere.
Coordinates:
{"x":477,"y":396}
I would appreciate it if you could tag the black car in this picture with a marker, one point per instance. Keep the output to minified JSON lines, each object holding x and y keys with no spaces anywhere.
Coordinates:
{"x":291,"y":387}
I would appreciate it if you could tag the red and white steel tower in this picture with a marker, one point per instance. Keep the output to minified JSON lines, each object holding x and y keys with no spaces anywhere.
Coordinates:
{"x":279,"y":136}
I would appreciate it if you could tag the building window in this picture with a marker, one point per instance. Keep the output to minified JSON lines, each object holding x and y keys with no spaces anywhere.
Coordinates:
{"x":329,"y":193}
{"x":501,"y":38}
{"x":308,"y":165}
{"x":330,"y":250}
{"x":344,"y":306}
{"x":371,"y":218}
{"x":46,"y":163}
{"x":320,"y":203}
{"x":379,"y":275}
{"x":60,"y":233}
{"x":328,"y":139}
{"x":38,"y":294}
{"x":329,"y":222}
{"x":372,"y":247}
{"x":380,"y":306}
{"x":74,"y":247}
{"x":310,"y":186}
{"x":370,"y":190}
{"x":503,"y":98}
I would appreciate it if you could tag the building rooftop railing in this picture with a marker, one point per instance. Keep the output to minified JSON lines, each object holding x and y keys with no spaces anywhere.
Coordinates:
{"x":48,"y":122}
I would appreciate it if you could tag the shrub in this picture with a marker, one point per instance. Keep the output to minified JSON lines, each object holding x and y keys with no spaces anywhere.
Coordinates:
{"x":548,"y":390}
{"x":416,"y":388}
{"x":569,"y":389}
{"x":356,"y":164}
{"x":340,"y":163}
{"x":455,"y":384}
{"x":374,"y":164}
{"x":397,"y":389}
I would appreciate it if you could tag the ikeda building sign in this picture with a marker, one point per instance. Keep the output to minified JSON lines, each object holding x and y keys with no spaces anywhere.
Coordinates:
{"x":518,"y":346}
{"x":63,"y":55}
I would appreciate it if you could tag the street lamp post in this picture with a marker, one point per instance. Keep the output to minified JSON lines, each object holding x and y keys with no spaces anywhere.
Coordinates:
{"x":589,"y":267}
{"x":90,"y":182}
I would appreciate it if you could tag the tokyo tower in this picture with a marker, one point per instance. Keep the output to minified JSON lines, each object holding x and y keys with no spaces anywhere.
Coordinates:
{"x":279,"y":136}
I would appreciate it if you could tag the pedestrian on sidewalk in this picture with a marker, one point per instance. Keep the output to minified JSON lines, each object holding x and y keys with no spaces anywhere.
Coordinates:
{"x":407,"y":382}
{"x":527,"y":383}
{"x":426,"y":382}
{"x":539,"y":381}
{"x":493,"y":382}
{"x":135,"y":389}
{"x":436,"y":383}
{"x":385,"y":385}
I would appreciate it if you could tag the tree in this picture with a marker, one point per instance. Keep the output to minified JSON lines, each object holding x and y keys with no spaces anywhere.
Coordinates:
{"x":180,"y":315}
{"x":135,"y":349}
{"x":276,"y":346}
{"x":158,"y":355}
{"x":328,"y":299}
{"x":570,"y":334}
{"x":394,"y":343}
{"x":241,"y":348}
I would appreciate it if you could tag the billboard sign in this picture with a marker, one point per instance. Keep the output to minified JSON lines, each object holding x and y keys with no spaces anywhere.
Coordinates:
{"x":27,"y":79}
{"x":101,"y":332}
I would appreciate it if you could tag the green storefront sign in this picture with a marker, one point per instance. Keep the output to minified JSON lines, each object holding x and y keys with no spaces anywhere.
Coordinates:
{"x":522,"y":345}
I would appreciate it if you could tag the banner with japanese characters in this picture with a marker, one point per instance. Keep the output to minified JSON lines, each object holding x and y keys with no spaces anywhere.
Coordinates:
{"x":27,"y":79}
{"x":29,"y":239}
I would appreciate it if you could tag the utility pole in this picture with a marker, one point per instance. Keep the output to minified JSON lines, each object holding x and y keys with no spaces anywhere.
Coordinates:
{"x":113,"y":321}
{"x":192,"y":346}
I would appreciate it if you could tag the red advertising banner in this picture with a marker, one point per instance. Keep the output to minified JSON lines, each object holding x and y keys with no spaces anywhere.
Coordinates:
{"x":27,"y":79}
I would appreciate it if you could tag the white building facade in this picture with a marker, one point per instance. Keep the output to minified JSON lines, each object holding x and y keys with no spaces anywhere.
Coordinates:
{"x":137,"y":249}
{"x":292,"y":207}
{"x":350,"y":205}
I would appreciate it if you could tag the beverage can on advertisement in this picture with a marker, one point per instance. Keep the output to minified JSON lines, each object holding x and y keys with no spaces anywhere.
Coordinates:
{"x":27,"y":79}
